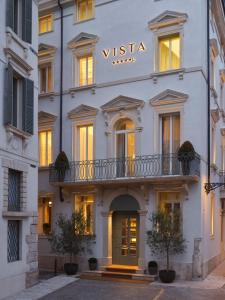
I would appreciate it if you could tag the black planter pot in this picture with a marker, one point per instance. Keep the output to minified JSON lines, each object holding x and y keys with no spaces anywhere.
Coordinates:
{"x":167,"y":276}
{"x":152,"y":268}
{"x":185,"y":165}
{"x":70,"y":268}
{"x":92,"y":266}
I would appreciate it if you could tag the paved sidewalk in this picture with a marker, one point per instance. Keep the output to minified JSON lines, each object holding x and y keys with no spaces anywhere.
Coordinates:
{"x":214,"y":280}
{"x":44,"y":288}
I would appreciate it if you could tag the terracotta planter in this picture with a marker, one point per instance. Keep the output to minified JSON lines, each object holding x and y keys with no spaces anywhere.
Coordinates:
{"x":167,"y":276}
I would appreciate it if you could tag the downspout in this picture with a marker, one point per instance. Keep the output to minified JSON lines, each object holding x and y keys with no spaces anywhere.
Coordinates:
{"x":61,"y":87}
{"x":208,"y":93}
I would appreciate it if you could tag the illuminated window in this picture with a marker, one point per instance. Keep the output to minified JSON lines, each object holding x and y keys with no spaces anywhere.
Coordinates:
{"x":169,"y":53}
{"x":85,"y":70}
{"x":86,"y":151}
{"x":86,"y":205}
{"x":84,"y":9}
{"x":44,"y":215}
{"x":45,"y":79}
{"x":45,"y":24}
{"x":45,"y":148}
{"x":212,"y":215}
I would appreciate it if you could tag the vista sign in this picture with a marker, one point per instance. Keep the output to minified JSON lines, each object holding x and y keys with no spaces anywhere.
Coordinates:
{"x":125,"y":53}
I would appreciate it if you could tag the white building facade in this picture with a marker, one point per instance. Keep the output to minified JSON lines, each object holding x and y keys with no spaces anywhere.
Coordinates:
{"x":18,"y":147}
{"x":134,"y":89}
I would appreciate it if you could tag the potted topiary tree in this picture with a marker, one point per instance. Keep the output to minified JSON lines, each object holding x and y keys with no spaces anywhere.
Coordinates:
{"x":186,"y":154}
{"x":70,"y":238}
{"x":93,"y":263}
{"x":46,"y":228}
{"x":165,"y":238}
{"x":61,"y":165}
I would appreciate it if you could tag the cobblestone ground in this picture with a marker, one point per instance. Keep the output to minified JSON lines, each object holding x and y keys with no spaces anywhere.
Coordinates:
{"x":106,"y":290}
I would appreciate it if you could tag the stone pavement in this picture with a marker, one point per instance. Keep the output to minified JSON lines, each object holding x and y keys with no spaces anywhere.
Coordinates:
{"x":44,"y":288}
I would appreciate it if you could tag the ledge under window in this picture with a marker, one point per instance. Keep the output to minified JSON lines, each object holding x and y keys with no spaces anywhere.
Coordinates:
{"x":18,"y":132}
{"x":46,"y":95}
{"x":81,"y":88}
{"x":17,"y":214}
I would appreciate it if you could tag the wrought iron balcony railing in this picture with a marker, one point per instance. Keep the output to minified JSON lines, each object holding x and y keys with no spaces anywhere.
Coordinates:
{"x":145,"y":166}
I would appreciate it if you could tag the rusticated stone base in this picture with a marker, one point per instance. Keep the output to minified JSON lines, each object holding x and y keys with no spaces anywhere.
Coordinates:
{"x":31,"y":278}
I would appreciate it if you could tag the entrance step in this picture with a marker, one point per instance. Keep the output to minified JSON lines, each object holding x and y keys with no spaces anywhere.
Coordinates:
{"x":115,"y":275}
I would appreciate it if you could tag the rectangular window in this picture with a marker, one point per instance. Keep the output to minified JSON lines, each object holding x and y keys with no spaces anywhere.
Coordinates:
{"x":213,"y":145}
{"x":14,"y":184}
{"x":85,"y":68}
{"x":170,"y":142}
{"x":45,"y":79}
{"x":86,"y":205}
{"x":13,"y":247}
{"x":44,"y":215}
{"x":169,"y":53}
{"x":17,"y":17}
{"x":86,"y":151}
{"x":45,"y":24}
{"x":84,"y":10}
{"x":45,"y":148}
{"x":212,"y":215}
{"x":17,"y":104}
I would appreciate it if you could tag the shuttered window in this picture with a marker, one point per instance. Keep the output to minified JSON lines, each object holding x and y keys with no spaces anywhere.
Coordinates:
{"x":18,"y":101}
{"x":19,"y":18}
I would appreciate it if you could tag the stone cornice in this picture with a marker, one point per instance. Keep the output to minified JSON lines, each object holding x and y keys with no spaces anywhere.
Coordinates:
{"x":168,"y":97}
{"x":11,"y":55}
{"x":122,"y":102}
{"x":45,"y":118}
{"x":167,"y":18}
{"x":82,"y":111}
{"x":83,"y":39}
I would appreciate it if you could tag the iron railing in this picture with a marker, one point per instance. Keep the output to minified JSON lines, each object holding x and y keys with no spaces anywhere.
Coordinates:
{"x":145,"y":166}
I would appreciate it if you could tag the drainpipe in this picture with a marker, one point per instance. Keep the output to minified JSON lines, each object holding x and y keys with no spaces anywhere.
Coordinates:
{"x":61,"y":87}
{"x":208,"y":93}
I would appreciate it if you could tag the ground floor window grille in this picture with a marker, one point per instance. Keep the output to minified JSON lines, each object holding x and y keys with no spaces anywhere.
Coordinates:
{"x":13,"y":241}
{"x":14,"y":190}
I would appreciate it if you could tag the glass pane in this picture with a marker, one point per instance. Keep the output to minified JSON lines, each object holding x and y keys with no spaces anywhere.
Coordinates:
{"x":43,"y":79}
{"x":82,"y":7}
{"x":176,"y":133}
{"x":49,"y":147}
{"x":131,"y":145}
{"x":83,"y":143}
{"x":175,"y":52}
{"x":42,"y":148}
{"x":90,"y":142}
{"x":89,"y":9}
{"x":164,"y":55}
{"x":165,"y":134}
{"x":90,"y":70}
{"x":83,"y":70}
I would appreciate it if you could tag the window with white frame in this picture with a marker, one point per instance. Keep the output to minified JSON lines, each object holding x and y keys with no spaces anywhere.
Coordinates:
{"x":85,"y":10}
{"x":45,"y":148}
{"x":44,"y":215}
{"x":169,"y":52}
{"x":85,"y":70}
{"x":17,"y":104}
{"x":45,"y":24}
{"x":85,"y":204}
{"x":45,"y":78}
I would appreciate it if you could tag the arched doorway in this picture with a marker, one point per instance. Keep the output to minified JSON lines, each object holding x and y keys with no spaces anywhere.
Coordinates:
{"x":125,"y":230}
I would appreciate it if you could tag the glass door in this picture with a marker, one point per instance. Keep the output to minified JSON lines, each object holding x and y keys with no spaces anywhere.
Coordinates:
{"x":86,"y":152}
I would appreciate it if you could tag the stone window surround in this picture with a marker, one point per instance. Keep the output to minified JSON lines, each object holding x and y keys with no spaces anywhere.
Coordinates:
{"x":23,"y":168}
{"x":76,"y":20}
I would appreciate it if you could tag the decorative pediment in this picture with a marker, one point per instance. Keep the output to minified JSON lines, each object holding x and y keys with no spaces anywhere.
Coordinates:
{"x":168,"y":97}
{"x":44,"y":49}
{"x":122,"y":102}
{"x":83,"y":39}
{"x":167,"y":18}
{"x":82,"y":111}
{"x":45,"y":118}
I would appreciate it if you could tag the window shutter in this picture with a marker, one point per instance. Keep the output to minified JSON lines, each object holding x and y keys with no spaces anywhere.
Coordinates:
{"x":9,"y":13}
{"x":8,"y":95}
{"x":28,"y":112}
{"x":27,"y":21}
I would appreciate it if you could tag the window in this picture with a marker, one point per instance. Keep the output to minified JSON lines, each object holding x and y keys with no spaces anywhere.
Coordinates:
{"x":44,"y":215}
{"x":85,"y":151}
{"x":14,"y":183}
{"x":45,"y":148}
{"x":170,"y":142}
{"x":213,"y":143}
{"x":84,"y":9}
{"x":85,"y":70}
{"x":86,"y":205}
{"x":212,"y":72}
{"x":19,"y":18}
{"x":45,"y":24}
{"x":17,"y":105}
{"x":169,"y":53}
{"x":13,"y":247}
{"x":212,"y":215}
{"x":45,"y":79}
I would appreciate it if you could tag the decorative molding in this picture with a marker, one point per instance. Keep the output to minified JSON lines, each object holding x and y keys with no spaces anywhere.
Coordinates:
{"x":222,"y":131}
{"x":122,"y":103}
{"x":215,"y":114}
{"x":13,"y":57}
{"x":214,"y":47}
{"x":45,"y":118}
{"x":82,"y":111}
{"x":83,"y":39}
{"x":167,"y":18}
{"x":168,"y":97}
{"x":222,"y":75}
{"x":45,"y":49}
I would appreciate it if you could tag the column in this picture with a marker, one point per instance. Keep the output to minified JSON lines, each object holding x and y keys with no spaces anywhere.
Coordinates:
{"x":142,"y":238}
{"x":107,"y":238}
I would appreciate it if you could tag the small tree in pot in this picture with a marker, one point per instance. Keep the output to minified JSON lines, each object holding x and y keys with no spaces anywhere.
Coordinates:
{"x":93,"y":263}
{"x":165,"y":238}
{"x":61,"y":165}
{"x":71,"y":239}
{"x":186,"y":154}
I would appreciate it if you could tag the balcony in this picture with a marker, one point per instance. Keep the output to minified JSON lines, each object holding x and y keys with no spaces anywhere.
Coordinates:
{"x":151,"y":168}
